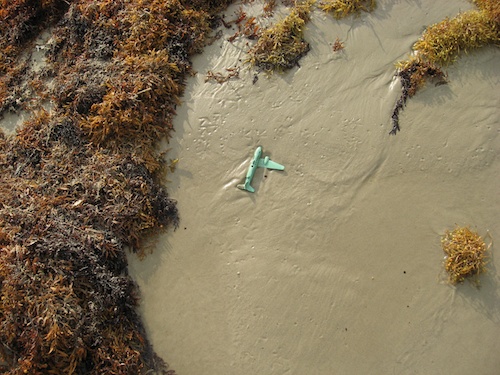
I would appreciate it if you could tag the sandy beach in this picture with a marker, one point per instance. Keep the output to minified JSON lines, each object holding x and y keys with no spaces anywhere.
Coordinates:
{"x":333,"y":266}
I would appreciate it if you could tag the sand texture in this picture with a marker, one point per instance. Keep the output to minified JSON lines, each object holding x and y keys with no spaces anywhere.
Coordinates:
{"x":333,"y":266}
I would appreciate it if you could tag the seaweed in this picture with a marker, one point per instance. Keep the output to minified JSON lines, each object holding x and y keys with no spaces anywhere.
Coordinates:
{"x":220,"y":77}
{"x":466,"y":255}
{"x":13,"y":90}
{"x":338,"y":45}
{"x":269,"y":6}
{"x":413,"y":74}
{"x":491,"y":8}
{"x":247,"y":26}
{"x":344,"y":8}
{"x":81,"y":184}
{"x":72,"y":212}
{"x":281,"y":46}
{"x":22,"y":21}
{"x":441,"y":44}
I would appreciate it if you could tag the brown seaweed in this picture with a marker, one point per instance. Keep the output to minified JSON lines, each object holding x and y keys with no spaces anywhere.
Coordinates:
{"x":81,"y":184}
{"x":281,"y":46}
{"x":413,"y":75}
{"x":441,"y":44}
{"x":343,"y":8}
{"x":466,"y":255}
{"x":221,"y":77}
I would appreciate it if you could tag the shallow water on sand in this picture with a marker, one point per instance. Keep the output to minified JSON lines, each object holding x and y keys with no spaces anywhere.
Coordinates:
{"x":333,"y":266}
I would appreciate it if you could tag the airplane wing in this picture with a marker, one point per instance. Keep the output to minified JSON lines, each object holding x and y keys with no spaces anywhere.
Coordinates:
{"x":269,"y":164}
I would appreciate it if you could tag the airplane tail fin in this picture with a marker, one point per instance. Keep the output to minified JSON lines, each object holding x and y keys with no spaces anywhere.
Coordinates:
{"x":246,"y":187}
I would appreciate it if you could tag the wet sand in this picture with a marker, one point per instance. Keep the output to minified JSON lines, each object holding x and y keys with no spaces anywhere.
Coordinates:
{"x":333,"y":266}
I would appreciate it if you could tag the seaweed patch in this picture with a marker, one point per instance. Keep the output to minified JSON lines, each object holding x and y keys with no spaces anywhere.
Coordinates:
{"x":220,"y":77}
{"x":81,"y":182}
{"x":343,"y":8}
{"x":466,"y":255}
{"x":281,"y":46}
{"x":441,"y":44}
{"x":413,"y":74}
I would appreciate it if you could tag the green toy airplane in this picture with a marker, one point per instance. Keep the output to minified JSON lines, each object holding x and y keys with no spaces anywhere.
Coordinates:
{"x":257,"y":161}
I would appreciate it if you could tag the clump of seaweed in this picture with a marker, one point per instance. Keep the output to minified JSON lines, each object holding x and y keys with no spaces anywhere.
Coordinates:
{"x":130,"y":96}
{"x":281,"y":46}
{"x":68,"y":213}
{"x":413,"y":74}
{"x":269,"y":6}
{"x":21,"y":22}
{"x":491,"y":8}
{"x":343,"y":8}
{"x":465,"y":255}
{"x":220,"y":77}
{"x":247,"y":26}
{"x":338,"y":45}
{"x":81,"y":185}
{"x":441,"y":44}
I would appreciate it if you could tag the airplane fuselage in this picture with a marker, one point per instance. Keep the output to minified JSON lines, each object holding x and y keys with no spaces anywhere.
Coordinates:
{"x":256,"y":163}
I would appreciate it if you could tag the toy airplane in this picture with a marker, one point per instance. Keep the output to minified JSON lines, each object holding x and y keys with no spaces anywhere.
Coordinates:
{"x":257,"y":161}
